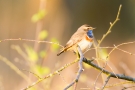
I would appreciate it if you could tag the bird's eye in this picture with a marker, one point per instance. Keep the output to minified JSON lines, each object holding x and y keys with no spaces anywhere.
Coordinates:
{"x":86,"y":28}
{"x":91,"y":28}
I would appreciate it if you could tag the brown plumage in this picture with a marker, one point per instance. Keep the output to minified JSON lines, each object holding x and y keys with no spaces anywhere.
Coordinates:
{"x":76,"y":38}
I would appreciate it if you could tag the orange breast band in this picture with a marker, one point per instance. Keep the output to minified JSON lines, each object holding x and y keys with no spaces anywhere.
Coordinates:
{"x":89,"y":39}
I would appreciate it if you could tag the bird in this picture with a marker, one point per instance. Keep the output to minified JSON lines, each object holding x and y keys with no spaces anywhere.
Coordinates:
{"x":82,"y":37}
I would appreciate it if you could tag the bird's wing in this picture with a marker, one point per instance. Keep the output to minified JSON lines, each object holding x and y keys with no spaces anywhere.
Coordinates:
{"x":77,"y":37}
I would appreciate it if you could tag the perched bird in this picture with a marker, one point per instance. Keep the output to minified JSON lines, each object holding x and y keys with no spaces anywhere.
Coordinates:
{"x":82,"y":37}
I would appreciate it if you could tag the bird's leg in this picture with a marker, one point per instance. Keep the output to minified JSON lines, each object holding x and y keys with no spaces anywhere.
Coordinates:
{"x":74,"y":52}
{"x":77,"y":53}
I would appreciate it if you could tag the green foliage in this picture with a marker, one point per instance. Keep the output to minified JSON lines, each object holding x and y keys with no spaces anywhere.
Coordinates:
{"x":38,"y":16}
{"x":32,"y":55}
{"x":42,"y":35}
{"x":42,"y":54}
{"x":54,"y":46}
{"x":35,"y":57}
{"x":41,"y":70}
{"x":103,"y":53}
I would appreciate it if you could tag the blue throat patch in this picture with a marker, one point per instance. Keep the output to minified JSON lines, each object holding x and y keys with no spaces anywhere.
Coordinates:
{"x":90,"y":34}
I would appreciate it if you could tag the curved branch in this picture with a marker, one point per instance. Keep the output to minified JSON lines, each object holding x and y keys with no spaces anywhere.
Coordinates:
{"x":109,"y":74}
{"x":119,"y":76}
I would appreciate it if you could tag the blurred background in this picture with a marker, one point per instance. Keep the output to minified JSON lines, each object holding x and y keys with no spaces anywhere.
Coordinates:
{"x":56,"y":21}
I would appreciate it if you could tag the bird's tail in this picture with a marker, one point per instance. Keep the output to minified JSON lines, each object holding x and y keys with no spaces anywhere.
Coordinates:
{"x":60,"y":52}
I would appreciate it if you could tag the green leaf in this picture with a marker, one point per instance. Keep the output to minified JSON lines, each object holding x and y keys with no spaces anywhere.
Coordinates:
{"x":43,"y":34}
{"x":41,"y":70}
{"x":32,"y":55}
{"x":103,"y":53}
{"x":55,"y":45}
{"x":38,"y":16}
{"x":42,"y":54}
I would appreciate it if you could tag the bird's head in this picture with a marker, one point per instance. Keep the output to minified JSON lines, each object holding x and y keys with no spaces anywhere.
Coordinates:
{"x":87,"y":27}
{"x":89,"y":30}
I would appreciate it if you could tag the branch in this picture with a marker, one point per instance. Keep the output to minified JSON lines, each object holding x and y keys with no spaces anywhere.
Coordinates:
{"x":79,"y":71}
{"x":97,"y":45}
{"x":119,"y":84}
{"x":106,"y":82}
{"x":37,"y":41}
{"x":98,"y":76}
{"x":127,"y":87}
{"x":111,"y":25}
{"x":116,"y":47}
{"x":13,"y":67}
{"x":119,"y":76}
{"x":50,"y":75}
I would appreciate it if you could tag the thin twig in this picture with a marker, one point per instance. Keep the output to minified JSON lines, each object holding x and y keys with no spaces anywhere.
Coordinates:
{"x":116,"y":47}
{"x":125,"y":51}
{"x":50,"y":75}
{"x":112,"y":85}
{"x":99,"y":75}
{"x":119,"y":76}
{"x":111,"y":25}
{"x":32,"y":73}
{"x":63,"y":79}
{"x":127,"y":87}
{"x":37,"y":41}
{"x":104,"y":36}
{"x":89,"y":62}
{"x":118,"y":84}
{"x":13,"y":67}
{"x":79,"y":71}
{"x":75,"y":86}
{"x":71,"y":84}
{"x":19,"y":39}
{"x":106,"y":82}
